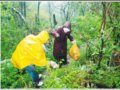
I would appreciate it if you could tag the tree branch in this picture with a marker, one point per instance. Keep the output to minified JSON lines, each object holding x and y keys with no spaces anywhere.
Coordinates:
{"x":19,"y":13}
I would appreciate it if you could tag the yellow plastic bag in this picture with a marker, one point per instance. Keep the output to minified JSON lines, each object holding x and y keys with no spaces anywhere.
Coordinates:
{"x":74,"y":52}
{"x":30,"y":51}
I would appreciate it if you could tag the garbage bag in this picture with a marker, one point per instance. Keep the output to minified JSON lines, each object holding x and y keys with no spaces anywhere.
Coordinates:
{"x":30,"y":51}
{"x":74,"y":52}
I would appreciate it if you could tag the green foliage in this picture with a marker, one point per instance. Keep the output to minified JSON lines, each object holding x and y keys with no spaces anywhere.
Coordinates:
{"x":86,"y":24}
{"x":66,"y":77}
{"x":12,"y":28}
{"x":9,"y":31}
{"x":70,"y":76}
{"x":107,"y":77}
{"x":11,"y":78}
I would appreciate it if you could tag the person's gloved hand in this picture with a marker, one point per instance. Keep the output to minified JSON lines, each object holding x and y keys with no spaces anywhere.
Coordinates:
{"x":57,"y":35}
{"x":54,"y":34}
{"x":74,"y":42}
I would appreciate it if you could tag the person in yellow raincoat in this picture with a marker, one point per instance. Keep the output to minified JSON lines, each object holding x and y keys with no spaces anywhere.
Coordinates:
{"x":30,"y":52}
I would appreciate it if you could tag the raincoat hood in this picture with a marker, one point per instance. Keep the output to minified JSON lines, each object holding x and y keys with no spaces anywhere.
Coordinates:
{"x":67,"y":25}
{"x":43,"y":36}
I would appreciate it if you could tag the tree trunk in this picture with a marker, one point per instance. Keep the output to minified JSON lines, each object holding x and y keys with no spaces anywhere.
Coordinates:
{"x":102,"y":33}
{"x":20,"y":14}
{"x":38,"y":10}
{"x":54,"y":20}
{"x":50,"y":14}
{"x":24,"y":9}
{"x":22,"y":18}
{"x":82,"y":10}
{"x":105,"y":10}
{"x":38,"y":14}
{"x":21,"y":7}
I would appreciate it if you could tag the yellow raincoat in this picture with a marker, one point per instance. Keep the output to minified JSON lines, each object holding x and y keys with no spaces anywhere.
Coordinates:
{"x":30,"y":51}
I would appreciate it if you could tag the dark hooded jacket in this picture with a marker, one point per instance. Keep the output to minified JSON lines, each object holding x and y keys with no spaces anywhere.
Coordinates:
{"x":60,"y":43}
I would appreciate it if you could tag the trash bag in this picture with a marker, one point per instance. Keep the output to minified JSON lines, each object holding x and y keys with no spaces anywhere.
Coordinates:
{"x":74,"y":52}
{"x":30,"y":51}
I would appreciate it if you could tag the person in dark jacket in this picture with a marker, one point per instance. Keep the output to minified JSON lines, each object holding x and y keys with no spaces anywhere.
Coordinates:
{"x":60,"y":42}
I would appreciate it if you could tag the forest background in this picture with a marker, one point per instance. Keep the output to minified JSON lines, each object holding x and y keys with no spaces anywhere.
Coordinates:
{"x":95,"y":27}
